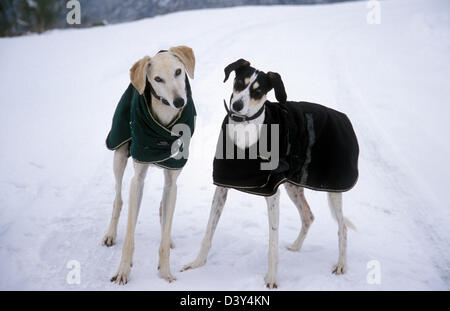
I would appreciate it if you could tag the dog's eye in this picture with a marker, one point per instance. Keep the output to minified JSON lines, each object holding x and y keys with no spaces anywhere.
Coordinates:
{"x":158,"y":79}
{"x":178,"y":72}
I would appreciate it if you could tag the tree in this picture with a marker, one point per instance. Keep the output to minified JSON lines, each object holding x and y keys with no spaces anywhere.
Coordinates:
{"x":8,"y":18}
{"x":39,"y":15}
{"x":22,"y":16}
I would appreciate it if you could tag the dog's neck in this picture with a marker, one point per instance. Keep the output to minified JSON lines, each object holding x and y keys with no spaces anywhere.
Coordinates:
{"x":163,"y":113}
{"x":245,"y":134}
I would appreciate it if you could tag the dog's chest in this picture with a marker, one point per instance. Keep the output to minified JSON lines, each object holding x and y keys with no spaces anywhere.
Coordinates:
{"x":244,"y":135}
{"x":164,"y":114}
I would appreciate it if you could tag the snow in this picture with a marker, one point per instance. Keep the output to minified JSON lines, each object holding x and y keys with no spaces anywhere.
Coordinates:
{"x":58,"y":92}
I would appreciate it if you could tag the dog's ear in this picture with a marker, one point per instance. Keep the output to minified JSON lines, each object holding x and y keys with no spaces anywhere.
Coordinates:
{"x":138,"y":74}
{"x":278,"y":86}
{"x":186,"y":55}
{"x":235,"y":66}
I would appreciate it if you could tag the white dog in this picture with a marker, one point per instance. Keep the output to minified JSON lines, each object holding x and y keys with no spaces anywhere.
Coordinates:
{"x":159,"y":95}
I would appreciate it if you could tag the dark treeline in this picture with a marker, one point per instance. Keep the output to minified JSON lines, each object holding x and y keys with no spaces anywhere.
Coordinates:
{"x":19,"y":17}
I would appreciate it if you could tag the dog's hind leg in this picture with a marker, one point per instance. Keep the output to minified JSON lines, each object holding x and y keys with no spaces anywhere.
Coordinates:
{"x":220,"y":197}
{"x":335,"y":204}
{"x":119,"y":165}
{"x":273,"y":206}
{"x":136,"y":191}
{"x":167,"y":211}
{"x":296,"y":194}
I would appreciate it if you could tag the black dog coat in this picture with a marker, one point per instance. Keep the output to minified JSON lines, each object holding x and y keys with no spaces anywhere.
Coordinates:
{"x":318,"y":150}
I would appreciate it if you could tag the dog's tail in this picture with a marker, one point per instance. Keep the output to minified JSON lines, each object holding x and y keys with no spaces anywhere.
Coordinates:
{"x":333,"y":200}
{"x":349,"y":224}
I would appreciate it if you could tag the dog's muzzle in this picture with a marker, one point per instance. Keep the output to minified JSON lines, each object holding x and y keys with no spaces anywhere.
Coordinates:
{"x":241,"y":118}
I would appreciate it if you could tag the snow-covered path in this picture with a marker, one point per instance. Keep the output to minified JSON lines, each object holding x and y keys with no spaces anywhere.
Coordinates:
{"x":58,"y":92}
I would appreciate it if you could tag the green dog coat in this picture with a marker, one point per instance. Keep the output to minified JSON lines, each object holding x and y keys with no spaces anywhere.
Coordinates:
{"x":150,"y":141}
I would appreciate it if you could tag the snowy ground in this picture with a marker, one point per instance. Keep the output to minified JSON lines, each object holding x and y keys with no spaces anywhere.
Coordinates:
{"x":58,"y":92}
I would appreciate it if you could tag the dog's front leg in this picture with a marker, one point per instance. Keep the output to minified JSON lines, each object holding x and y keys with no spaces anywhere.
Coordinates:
{"x":220,"y":197}
{"x":167,"y":211}
{"x":273,"y":203}
{"x":136,"y":190}
{"x":120,"y":162}
{"x":172,"y":245}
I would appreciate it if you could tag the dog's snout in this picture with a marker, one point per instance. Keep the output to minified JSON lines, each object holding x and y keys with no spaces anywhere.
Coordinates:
{"x":178,"y":102}
{"x":238,"y":105}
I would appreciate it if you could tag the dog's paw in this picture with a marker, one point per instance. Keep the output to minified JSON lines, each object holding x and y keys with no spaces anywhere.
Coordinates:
{"x":271,"y":281}
{"x":172,"y":245}
{"x":122,"y":274}
{"x":109,"y":239}
{"x":271,"y":285}
{"x":166,"y":275}
{"x":339,"y":268}
{"x":193,"y":265}
{"x":294,"y":247}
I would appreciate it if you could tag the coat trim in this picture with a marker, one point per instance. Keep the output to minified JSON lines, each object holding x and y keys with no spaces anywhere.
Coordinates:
{"x":119,"y":145}
{"x":159,"y":124}
{"x":277,"y":185}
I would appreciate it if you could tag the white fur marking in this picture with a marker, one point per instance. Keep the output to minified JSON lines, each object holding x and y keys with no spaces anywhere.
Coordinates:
{"x":245,"y":134}
{"x":244,"y":95}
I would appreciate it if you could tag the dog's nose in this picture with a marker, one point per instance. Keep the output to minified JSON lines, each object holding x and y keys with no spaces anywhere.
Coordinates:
{"x":178,"y":102}
{"x":238,"y":105}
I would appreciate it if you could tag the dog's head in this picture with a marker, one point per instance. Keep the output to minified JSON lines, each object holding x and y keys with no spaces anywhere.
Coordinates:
{"x":166,"y":72}
{"x":251,"y":87}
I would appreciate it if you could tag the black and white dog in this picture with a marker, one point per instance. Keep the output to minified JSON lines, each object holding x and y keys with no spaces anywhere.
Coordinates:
{"x":318,"y":150}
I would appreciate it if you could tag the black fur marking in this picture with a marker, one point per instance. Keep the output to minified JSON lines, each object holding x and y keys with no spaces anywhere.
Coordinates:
{"x":264,"y":86}
{"x":241,"y":75}
{"x":277,"y":84}
{"x":263,"y":80}
{"x":237,"y":66}
{"x":266,"y":81}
